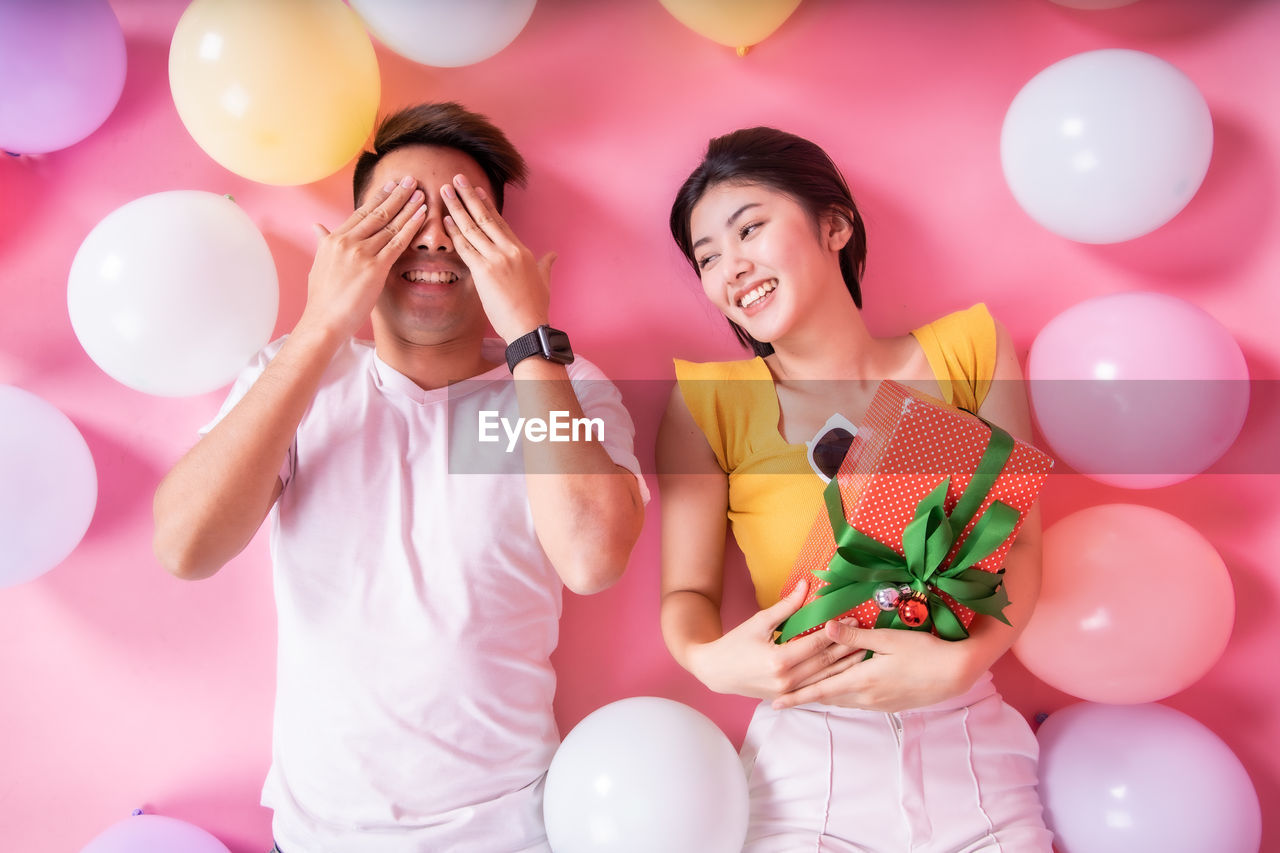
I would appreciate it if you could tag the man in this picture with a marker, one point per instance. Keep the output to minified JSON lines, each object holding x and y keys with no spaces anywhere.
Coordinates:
{"x":418,"y":592}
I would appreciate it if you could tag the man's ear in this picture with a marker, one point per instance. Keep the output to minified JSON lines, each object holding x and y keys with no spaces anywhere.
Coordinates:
{"x":837,"y":230}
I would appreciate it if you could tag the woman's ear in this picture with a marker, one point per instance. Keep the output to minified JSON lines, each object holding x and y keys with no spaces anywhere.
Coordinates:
{"x":837,"y":230}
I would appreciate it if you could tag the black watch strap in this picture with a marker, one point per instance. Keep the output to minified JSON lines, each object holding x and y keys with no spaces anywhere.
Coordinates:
{"x":521,"y":348}
{"x":551,"y":344}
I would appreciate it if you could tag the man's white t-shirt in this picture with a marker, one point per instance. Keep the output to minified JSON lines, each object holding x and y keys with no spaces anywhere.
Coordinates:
{"x":417,"y":613}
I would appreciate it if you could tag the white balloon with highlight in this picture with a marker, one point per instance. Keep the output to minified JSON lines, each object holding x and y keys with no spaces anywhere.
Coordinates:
{"x":1107,"y":145}
{"x":445,"y":33}
{"x":646,"y":774}
{"x":173,"y":293}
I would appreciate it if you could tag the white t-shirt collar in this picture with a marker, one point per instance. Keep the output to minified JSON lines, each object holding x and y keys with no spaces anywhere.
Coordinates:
{"x":394,"y":383}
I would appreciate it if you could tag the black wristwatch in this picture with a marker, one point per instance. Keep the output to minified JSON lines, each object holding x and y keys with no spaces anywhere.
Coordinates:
{"x":551,"y":344}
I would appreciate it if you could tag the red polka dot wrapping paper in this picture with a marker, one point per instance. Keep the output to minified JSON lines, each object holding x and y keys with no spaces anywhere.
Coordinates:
{"x":906,"y":445}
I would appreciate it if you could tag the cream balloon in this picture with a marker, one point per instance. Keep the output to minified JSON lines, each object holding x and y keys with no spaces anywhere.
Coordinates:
{"x":173,"y":293}
{"x":733,"y":23}
{"x":1107,"y":145}
{"x":284,"y":92}
{"x":445,"y":33}
{"x":48,"y":486}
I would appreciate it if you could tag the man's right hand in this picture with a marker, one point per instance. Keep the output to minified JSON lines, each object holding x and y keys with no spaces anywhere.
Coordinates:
{"x":353,"y":260}
{"x":217,"y":496}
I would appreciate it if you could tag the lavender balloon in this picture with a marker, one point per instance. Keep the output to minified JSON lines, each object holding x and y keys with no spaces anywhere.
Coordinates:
{"x":154,"y":834}
{"x":48,"y":486}
{"x":1119,"y":778}
{"x":62,"y":68}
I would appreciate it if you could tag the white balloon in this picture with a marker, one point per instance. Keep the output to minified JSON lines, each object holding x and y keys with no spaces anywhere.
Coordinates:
{"x":173,"y":293}
{"x":1107,"y":145}
{"x":48,"y":486}
{"x":445,"y":33}
{"x":646,"y":774}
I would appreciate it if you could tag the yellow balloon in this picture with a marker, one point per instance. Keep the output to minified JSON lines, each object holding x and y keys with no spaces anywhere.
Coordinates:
{"x":734,"y":23}
{"x":281,"y":92}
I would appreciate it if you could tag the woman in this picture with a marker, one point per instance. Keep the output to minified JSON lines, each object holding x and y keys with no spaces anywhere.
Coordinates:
{"x":911,"y":749}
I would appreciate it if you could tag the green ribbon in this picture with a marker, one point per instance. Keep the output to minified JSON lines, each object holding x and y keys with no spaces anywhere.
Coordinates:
{"x":862,"y":564}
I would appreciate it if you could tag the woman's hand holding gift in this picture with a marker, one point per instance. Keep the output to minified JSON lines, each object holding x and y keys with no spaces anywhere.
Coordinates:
{"x":910,"y":669}
{"x":746,"y":661}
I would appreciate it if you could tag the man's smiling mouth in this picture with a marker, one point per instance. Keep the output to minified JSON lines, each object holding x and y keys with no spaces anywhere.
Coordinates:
{"x":422,"y":276}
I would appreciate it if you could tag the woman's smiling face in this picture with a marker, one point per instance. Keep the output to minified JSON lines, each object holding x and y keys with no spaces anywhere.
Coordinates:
{"x":763,"y":259}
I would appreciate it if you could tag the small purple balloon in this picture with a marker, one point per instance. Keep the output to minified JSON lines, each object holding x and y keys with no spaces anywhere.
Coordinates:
{"x":1119,"y":778}
{"x":62,"y":69}
{"x":148,"y":833}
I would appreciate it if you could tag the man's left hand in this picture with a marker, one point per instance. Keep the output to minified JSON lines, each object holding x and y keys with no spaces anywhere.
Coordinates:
{"x":513,"y":286}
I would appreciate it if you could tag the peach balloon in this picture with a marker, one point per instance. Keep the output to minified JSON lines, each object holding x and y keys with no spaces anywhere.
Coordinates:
{"x":284,"y":92}
{"x":1135,"y":605}
{"x":733,"y":23}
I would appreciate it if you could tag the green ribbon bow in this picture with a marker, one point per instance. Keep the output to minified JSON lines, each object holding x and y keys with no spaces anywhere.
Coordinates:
{"x":862,"y":564}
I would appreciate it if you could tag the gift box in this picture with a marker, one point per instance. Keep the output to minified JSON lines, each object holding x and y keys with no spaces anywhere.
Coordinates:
{"x":918,"y":520}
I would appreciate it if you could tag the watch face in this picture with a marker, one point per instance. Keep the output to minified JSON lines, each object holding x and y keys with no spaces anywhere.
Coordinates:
{"x":555,"y":345}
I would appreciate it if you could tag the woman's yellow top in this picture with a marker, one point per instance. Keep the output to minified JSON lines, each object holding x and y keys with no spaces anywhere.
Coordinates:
{"x":773,"y":493}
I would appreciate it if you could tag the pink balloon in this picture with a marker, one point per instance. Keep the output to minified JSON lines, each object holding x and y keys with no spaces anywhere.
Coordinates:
{"x":1134,"y":605}
{"x":1124,"y":778}
{"x":154,"y":834}
{"x":62,"y":68}
{"x":1139,"y":390}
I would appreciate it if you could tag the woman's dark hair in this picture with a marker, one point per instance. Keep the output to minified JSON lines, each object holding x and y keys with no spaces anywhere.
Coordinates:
{"x":446,"y":125}
{"x":789,"y":164}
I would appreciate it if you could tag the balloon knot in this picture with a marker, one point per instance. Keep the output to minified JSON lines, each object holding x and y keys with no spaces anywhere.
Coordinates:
{"x":743,"y":50}
{"x":135,"y":812}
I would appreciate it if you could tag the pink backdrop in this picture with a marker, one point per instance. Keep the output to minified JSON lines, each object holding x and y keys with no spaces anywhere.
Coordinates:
{"x":125,"y":688}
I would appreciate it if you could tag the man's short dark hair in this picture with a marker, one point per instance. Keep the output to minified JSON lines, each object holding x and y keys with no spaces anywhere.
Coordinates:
{"x":445,"y":125}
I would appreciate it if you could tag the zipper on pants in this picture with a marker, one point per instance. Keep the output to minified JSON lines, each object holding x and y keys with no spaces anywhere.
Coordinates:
{"x":896,"y":723}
